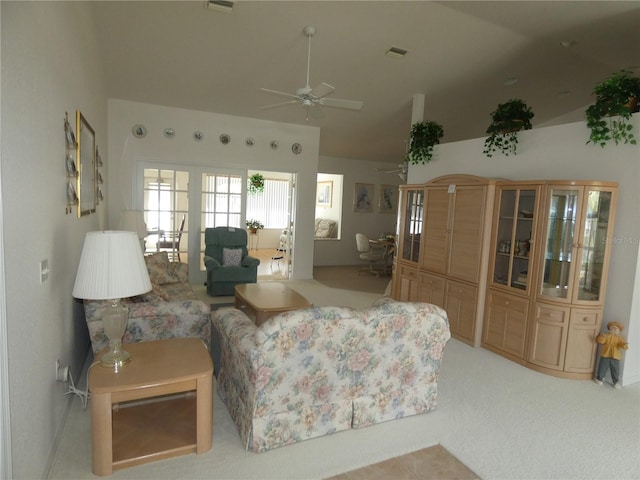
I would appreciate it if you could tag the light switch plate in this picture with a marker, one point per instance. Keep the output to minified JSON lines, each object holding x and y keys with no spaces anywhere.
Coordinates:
{"x":44,"y":270}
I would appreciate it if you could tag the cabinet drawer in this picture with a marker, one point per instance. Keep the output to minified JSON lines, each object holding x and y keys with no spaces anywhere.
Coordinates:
{"x":410,"y":272}
{"x":460,"y":290}
{"x":551,"y":314}
{"x":513,"y":304}
{"x":432,"y":281}
{"x":585,"y":318}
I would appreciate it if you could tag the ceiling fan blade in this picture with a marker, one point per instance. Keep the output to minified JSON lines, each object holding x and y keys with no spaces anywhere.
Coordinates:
{"x":276,"y":92}
{"x":340,"y":103}
{"x":322,"y":90}
{"x":281,"y":104}
{"x":401,"y":168}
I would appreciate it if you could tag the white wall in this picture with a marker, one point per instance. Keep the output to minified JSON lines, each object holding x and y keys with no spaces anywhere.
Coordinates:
{"x":561,"y":152}
{"x":343,"y":251}
{"x":50,"y":64}
{"x":126,"y":150}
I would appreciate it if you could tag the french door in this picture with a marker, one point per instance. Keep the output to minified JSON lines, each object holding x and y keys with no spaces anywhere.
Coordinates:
{"x":205,"y":198}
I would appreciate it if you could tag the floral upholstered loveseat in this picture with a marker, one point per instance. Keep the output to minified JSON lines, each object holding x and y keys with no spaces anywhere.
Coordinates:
{"x":171,"y":309}
{"x":312,"y":372}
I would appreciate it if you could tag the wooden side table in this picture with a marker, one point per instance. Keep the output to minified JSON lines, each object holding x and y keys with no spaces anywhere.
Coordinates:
{"x":127,"y":432}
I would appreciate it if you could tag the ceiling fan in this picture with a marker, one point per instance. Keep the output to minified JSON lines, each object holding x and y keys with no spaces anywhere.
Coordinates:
{"x":402,"y":170}
{"x":313,"y":98}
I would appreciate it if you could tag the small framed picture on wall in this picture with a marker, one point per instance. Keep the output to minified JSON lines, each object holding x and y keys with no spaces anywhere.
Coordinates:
{"x":324,"y":193}
{"x":363,"y":198}
{"x":388,"y":201}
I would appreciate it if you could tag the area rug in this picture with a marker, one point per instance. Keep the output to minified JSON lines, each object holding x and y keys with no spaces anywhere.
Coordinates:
{"x":432,"y":463}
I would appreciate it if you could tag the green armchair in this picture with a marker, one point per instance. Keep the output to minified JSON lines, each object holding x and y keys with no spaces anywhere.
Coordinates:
{"x":227,"y":260}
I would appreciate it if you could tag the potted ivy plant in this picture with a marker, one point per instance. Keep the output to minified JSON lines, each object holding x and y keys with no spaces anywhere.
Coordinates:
{"x":256,"y":184}
{"x":424,"y":135}
{"x":254,"y":225}
{"x":616,"y":99}
{"x":506,"y":121}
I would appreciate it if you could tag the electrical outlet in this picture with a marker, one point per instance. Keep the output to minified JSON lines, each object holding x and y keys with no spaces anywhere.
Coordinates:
{"x":62,"y":372}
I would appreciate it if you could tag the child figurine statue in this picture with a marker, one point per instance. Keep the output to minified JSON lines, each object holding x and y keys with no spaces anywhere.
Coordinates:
{"x":610,"y":353}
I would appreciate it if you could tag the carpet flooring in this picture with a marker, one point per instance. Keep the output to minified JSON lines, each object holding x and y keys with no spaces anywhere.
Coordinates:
{"x":501,"y":420}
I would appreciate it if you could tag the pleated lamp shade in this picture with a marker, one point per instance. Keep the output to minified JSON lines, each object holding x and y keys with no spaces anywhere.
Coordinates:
{"x":111,"y":267}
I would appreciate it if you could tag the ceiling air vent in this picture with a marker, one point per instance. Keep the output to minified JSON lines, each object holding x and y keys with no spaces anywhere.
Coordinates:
{"x":396,"y":52}
{"x":219,"y":5}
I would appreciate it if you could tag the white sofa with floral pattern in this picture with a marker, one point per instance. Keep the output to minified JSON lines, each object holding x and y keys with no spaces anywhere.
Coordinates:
{"x":171,"y":309}
{"x":317,"y":371}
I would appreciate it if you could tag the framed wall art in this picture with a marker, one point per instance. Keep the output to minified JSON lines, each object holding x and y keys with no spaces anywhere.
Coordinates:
{"x":324,"y":193}
{"x":363,"y":198}
{"x":388,"y":201}
{"x":86,"y":161}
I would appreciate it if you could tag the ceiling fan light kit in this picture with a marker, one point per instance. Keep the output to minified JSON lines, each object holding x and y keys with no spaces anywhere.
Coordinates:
{"x":312,"y":98}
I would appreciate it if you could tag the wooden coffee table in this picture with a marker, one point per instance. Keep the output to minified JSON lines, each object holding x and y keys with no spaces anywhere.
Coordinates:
{"x":268,"y":299}
{"x":123,"y":433}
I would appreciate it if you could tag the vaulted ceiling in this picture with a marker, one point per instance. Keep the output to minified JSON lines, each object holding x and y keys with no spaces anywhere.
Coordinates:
{"x":460,"y":55}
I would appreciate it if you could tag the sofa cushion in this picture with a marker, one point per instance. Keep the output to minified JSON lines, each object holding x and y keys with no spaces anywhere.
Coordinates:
{"x":325,"y":228}
{"x":160,"y":269}
{"x":182,"y":271}
{"x":159,"y":291}
{"x":231,"y":257}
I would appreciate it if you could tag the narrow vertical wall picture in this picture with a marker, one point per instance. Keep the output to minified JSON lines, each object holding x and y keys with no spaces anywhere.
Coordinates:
{"x":363,"y":198}
{"x":324,"y":194}
{"x":86,"y":160}
{"x":388,"y":201}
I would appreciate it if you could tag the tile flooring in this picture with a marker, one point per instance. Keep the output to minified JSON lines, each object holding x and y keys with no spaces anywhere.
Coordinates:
{"x":433,"y":463}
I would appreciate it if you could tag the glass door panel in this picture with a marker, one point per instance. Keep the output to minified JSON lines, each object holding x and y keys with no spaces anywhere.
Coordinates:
{"x":559,"y":242}
{"x":513,"y":238}
{"x":521,"y":243}
{"x":413,"y":225}
{"x":502,"y":266}
{"x":593,"y":244}
{"x":166,"y":203}
{"x":221,"y":204}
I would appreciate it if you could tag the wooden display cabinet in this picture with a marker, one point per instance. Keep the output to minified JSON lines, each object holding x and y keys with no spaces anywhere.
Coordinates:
{"x":547,"y":281}
{"x":513,"y":249}
{"x":443,"y":238}
{"x":572,"y":277}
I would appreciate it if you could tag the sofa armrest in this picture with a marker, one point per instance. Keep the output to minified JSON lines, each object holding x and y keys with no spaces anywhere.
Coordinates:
{"x":237,"y":376}
{"x":249,"y":261}
{"x":211,"y":263}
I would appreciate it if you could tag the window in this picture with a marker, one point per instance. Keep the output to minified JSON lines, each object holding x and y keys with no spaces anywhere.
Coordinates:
{"x":221,"y":200}
{"x":166,"y":201}
{"x":270,"y":206}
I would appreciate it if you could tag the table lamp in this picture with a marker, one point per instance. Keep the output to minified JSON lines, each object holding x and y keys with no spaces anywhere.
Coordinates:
{"x":112,"y":267}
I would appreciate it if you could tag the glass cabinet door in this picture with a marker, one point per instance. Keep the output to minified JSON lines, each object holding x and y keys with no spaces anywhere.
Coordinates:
{"x":514,"y":237}
{"x":593,"y":243}
{"x":412,"y":228}
{"x":559,"y":242}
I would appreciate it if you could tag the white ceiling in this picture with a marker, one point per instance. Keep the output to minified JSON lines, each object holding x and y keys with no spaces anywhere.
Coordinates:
{"x":181,"y":54}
